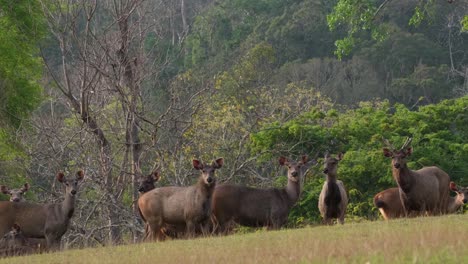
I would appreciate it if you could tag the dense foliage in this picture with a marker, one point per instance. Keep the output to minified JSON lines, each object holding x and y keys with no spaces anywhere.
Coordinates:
{"x":439,"y":138}
{"x":21,"y":29}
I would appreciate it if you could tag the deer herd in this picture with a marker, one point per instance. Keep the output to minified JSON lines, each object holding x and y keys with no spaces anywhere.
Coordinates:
{"x":210,"y":208}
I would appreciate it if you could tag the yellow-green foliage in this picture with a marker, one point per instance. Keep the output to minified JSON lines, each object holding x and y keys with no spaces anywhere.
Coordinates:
{"x":421,"y":240}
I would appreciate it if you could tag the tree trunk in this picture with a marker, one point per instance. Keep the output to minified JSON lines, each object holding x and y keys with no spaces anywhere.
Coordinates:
{"x":184,"y":17}
{"x":131,"y":105}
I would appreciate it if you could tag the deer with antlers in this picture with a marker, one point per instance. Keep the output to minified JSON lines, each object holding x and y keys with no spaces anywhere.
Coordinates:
{"x":422,"y":191}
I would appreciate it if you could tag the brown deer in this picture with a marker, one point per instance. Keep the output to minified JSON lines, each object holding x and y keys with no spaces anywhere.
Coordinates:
{"x":459,"y":200}
{"x":258,"y":207}
{"x":14,"y":243}
{"x":421,"y":191}
{"x":390,"y":206}
{"x":16,"y":195}
{"x":49,"y":221}
{"x":333,"y":199}
{"x":146,"y":184}
{"x":187,"y":207}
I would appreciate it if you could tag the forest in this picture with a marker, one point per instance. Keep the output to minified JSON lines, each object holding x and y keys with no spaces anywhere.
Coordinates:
{"x":122,"y":88}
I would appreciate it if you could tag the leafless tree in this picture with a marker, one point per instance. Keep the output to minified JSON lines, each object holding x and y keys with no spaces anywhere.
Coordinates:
{"x":109,"y":67}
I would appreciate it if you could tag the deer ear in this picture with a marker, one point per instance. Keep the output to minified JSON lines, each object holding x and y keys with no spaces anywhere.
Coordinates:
{"x":218,"y":163}
{"x":197,"y":164}
{"x":156,"y":175}
{"x":4,"y":189}
{"x":387,"y":153}
{"x":340,"y":156}
{"x":453,"y":186}
{"x":60,"y":177}
{"x":282,"y":161}
{"x":16,"y":227}
{"x":79,"y":175}
{"x":25,"y":187}
{"x":409,"y":151}
{"x":304,"y":159}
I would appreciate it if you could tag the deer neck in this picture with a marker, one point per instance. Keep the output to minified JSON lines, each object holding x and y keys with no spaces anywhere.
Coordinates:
{"x":204,"y":189}
{"x":403,"y":177}
{"x":68,"y":205}
{"x":293,"y":190}
{"x":331,"y":178}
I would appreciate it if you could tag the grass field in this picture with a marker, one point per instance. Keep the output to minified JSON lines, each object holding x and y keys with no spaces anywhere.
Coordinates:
{"x":422,"y":240}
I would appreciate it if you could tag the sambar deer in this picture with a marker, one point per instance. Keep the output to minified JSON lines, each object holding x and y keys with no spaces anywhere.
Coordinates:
{"x":460,"y":198}
{"x":256,"y":207}
{"x":16,"y":195}
{"x":49,"y":221}
{"x":187,"y":207}
{"x":333,"y":199}
{"x":422,"y":191}
{"x":14,"y":243}
{"x":146,"y":184}
{"x":389,"y":204}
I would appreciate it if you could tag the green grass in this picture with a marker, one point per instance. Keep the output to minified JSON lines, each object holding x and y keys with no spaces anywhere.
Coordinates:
{"x":421,"y":240}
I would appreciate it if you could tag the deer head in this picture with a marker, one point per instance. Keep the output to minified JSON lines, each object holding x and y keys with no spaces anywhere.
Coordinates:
{"x":331,"y":163}
{"x":462,"y":193}
{"x":294,"y":168}
{"x":398,"y":156}
{"x":207,"y":171}
{"x":147,"y":182}
{"x":13,"y":238}
{"x":16,"y":195}
{"x":71,"y":185}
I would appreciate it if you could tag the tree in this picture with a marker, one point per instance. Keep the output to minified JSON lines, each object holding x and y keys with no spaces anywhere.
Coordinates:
{"x":109,"y":68}
{"x":22,"y":28}
{"x":361,"y":16}
{"x":438,"y":133}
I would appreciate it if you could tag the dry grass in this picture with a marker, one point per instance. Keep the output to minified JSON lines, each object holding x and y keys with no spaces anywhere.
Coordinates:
{"x":422,"y":240}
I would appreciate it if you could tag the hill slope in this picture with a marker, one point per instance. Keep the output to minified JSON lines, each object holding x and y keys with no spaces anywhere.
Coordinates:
{"x":422,"y":240}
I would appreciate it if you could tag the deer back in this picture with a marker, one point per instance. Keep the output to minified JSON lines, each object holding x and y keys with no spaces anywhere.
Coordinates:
{"x":249,"y":206}
{"x":389,"y":203}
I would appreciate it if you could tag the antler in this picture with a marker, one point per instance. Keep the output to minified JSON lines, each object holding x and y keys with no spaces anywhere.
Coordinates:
{"x":388,"y":144}
{"x":407,"y":142}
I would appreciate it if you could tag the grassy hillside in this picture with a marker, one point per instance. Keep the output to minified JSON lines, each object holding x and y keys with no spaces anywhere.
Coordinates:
{"x":423,"y":240}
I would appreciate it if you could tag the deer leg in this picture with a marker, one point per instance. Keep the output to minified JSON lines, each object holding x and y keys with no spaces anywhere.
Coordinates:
{"x":190,"y":228}
{"x":53,"y":244}
{"x":341,"y":219}
{"x":206,"y":228}
{"x":328,"y":221}
{"x":160,"y":235}
{"x":154,"y":231}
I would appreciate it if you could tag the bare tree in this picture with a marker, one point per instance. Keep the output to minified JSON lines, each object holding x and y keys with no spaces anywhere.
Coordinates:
{"x":105,"y":72}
